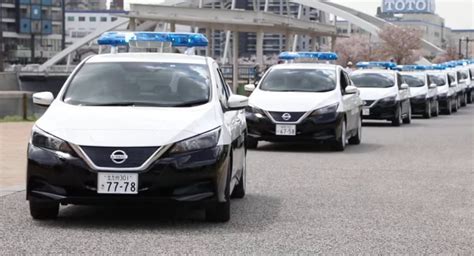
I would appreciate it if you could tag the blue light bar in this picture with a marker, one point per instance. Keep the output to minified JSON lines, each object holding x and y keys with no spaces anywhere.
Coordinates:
{"x":176,"y":39}
{"x":377,"y":64}
{"x":308,"y":55}
{"x":411,"y":68}
{"x":438,"y":67}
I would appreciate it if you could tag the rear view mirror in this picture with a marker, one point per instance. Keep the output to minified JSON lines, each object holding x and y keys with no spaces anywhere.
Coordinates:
{"x":453,"y":84}
{"x":237,"y":102}
{"x":43,"y":98}
{"x":432,"y":86}
{"x":404,"y":87}
{"x":249,"y":87}
{"x":351,"y":89}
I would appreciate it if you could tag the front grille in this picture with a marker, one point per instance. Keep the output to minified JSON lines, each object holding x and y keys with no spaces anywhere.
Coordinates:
{"x":136,"y":156}
{"x":294,"y":116}
{"x":369,"y":102}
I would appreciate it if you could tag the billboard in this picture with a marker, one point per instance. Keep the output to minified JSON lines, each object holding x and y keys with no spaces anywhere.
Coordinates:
{"x":408,"y":6}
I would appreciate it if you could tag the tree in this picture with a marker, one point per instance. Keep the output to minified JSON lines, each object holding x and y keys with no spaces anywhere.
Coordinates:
{"x":401,"y":44}
{"x":355,"y":48}
{"x":451,"y":53}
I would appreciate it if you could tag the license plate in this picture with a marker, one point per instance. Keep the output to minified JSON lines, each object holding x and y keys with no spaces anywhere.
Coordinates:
{"x":366,"y":111}
{"x":285,"y":130}
{"x":117,"y":183}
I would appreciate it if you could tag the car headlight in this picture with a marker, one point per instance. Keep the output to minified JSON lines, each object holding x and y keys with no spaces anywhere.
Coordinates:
{"x":325,"y":110}
{"x":40,"y":138}
{"x":443,"y":95}
{"x":390,"y":99}
{"x":420,"y":97}
{"x":202,"y":141}
{"x":254,"y":111}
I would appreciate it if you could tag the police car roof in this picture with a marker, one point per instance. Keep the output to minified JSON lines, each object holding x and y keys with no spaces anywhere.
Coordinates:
{"x":375,"y":70}
{"x":148,"y":57}
{"x":304,"y":66}
{"x":413,"y":72}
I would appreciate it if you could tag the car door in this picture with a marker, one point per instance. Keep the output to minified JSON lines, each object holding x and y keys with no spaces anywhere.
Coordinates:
{"x":350,"y":102}
{"x":404,"y":94}
{"x":234,"y":121}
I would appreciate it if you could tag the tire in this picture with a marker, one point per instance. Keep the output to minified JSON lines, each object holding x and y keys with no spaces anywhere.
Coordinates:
{"x":220,"y":211}
{"x":340,"y":144}
{"x":464,"y":100}
{"x":397,"y":120}
{"x":357,"y":139}
{"x":41,"y":210}
{"x":240,"y":188}
{"x":251,"y":143}
{"x":456,"y":106}
{"x":436,"y":112}
{"x":469,"y":97}
{"x":459,"y":103}
{"x":427,"y":113}
{"x":407,"y":120}
{"x":449,"y":107}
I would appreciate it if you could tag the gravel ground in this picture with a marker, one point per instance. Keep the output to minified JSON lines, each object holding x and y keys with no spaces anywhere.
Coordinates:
{"x":405,"y":190}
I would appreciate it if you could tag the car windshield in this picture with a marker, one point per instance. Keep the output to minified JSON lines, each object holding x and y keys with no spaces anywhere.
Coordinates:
{"x":373,"y":80}
{"x":414,"y":80}
{"x":438,"y":79}
{"x":139,"y":84}
{"x":299,"y":80}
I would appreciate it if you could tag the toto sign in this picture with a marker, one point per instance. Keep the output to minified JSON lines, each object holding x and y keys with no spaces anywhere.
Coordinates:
{"x":408,"y":6}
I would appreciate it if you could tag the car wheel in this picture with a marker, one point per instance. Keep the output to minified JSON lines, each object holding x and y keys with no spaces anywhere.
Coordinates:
{"x":456,"y":105}
{"x":340,"y":144}
{"x":220,"y":211}
{"x":436,"y":111}
{"x":407,"y":120}
{"x":469,"y":97}
{"x":449,"y":107}
{"x":251,"y":143}
{"x":427,"y":113}
{"x":464,"y":100}
{"x":41,"y":210}
{"x":397,"y":120}
{"x":459,"y":102}
{"x":356,"y":139}
{"x":240,"y":188}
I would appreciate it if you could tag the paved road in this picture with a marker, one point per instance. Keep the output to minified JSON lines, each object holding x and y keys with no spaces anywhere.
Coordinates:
{"x":405,"y":190}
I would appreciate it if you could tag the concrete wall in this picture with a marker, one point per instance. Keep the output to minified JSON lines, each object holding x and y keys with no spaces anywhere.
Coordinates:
{"x":8,"y":81}
{"x":11,"y":104}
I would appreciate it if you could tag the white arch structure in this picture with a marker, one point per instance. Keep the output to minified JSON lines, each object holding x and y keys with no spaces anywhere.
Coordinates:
{"x":367,"y":22}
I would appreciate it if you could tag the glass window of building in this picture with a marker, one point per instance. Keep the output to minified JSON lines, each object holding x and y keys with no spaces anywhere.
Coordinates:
{"x":103,"y":19}
{"x":82,"y":18}
{"x":113,"y":18}
{"x":92,"y":19}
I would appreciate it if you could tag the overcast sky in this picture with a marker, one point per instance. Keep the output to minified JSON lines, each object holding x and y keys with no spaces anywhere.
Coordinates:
{"x":459,"y":14}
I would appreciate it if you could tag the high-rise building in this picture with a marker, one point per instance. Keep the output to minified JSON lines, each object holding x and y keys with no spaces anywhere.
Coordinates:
{"x":32,"y":30}
{"x":86,"y":5}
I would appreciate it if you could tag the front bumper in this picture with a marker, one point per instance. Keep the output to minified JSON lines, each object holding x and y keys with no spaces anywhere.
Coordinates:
{"x":382,"y":111}
{"x":418,"y":106}
{"x":192,"y":177}
{"x":317,"y":128}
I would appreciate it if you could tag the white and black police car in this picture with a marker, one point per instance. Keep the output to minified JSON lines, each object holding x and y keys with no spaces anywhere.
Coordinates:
{"x":424,"y":93}
{"x":447,"y":97}
{"x":140,"y":127}
{"x":303,"y":101}
{"x":385,"y":93}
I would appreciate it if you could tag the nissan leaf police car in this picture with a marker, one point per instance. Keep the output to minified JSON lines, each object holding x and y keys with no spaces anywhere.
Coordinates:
{"x":460,"y":74}
{"x":139,"y":127}
{"x":386,"y":95}
{"x":447,"y":98}
{"x":423,"y":91}
{"x":304,"y":102}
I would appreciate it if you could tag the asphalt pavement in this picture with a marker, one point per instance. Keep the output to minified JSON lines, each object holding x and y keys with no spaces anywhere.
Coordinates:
{"x":406,"y":189}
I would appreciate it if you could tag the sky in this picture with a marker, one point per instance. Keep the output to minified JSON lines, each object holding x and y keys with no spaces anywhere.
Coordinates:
{"x":459,"y":14}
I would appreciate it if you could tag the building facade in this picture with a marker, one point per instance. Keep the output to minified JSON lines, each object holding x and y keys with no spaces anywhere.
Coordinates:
{"x":32,"y":30}
{"x":86,"y":4}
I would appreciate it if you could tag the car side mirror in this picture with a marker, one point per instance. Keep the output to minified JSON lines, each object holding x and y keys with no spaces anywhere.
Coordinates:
{"x":351,"y":90}
{"x":249,"y":87}
{"x":452,"y":84}
{"x":404,"y":87}
{"x":237,"y":102}
{"x":43,"y":98}
{"x":433,"y":86}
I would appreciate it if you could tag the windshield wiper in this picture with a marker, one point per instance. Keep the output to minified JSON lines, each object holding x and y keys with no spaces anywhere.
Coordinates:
{"x":125,"y":103}
{"x":191,"y":103}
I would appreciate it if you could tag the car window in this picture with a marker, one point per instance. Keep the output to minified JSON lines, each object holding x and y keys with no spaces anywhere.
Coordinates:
{"x":139,"y":84}
{"x":373,"y":80}
{"x":299,"y":80}
{"x":414,"y":80}
{"x":344,"y":81}
{"x":472,"y":73}
{"x":400,"y":80}
{"x":438,"y":79}
{"x":452,"y":78}
{"x":225,"y":86}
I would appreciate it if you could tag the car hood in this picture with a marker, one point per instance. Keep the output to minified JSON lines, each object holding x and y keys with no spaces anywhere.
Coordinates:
{"x":126,"y":126}
{"x":377,"y":93}
{"x":291,"y":101}
{"x":417,"y":91}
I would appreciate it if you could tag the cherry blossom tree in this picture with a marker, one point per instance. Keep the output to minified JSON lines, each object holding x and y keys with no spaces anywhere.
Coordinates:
{"x":401,"y":44}
{"x":450,"y":54}
{"x":354,"y":49}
